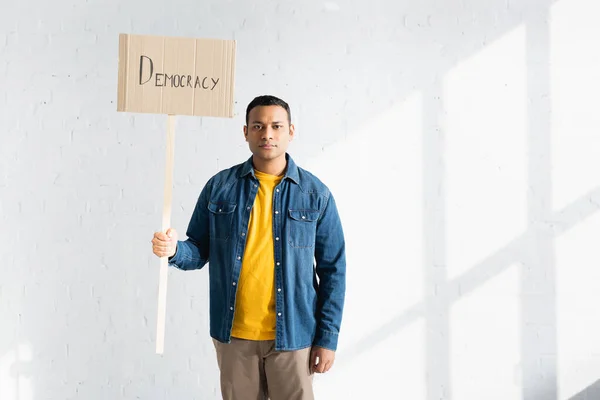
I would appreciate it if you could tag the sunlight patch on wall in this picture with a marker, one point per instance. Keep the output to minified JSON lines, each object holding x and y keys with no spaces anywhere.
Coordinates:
{"x":578,"y":297}
{"x":485,"y":341}
{"x":376,"y":177}
{"x":575,"y":84}
{"x":485,"y":100}
{"x":15,"y":385}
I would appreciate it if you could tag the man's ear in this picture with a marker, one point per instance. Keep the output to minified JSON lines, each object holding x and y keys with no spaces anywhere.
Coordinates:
{"x":246,"y":133}
{"x":292,"y":131}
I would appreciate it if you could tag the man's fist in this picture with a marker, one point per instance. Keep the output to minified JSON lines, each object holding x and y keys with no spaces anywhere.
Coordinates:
{"x":165,"y":244}
{"x":321,"y":359}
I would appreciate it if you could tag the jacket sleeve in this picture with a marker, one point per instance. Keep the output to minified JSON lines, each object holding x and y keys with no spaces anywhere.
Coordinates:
{"x":330,"y":257}
{"x":193,"y":253}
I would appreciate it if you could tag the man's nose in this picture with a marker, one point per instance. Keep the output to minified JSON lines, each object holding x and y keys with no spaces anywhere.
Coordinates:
{"x":267,"y":133}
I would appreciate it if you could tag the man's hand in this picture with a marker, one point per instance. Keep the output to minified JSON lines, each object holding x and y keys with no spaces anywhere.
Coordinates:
{"x":165,"y":244}
{"x":321,"y":359}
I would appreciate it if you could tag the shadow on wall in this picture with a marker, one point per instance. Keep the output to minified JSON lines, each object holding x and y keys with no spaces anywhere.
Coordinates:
{"x":592,"y":392}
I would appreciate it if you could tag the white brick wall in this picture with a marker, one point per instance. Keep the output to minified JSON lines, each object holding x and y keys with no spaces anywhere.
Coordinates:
{"x":460,"y":139}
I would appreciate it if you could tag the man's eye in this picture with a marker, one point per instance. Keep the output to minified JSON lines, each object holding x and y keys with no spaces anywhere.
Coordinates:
{"x":276,"y":126}
{"x":257,"y":126}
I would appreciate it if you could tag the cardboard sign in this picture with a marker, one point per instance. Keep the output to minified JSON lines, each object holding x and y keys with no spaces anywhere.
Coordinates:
{"x":176,"y":76}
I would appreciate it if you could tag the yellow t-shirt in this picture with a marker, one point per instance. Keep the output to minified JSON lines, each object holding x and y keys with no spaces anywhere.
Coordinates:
{"x":254,"y":317}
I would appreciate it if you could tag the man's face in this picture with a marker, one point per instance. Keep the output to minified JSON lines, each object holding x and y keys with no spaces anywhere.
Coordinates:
{"x":268,"y":132}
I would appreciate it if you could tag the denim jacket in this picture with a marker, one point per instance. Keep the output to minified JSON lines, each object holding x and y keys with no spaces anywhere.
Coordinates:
{"x":310,"y":259}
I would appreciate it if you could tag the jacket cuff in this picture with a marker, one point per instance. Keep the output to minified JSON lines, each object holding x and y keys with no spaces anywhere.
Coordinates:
{"x":177,"y":257}
{"x":325,"y":339}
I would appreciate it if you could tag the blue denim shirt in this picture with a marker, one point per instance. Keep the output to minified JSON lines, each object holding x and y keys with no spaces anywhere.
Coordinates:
{"x":310,"y":258}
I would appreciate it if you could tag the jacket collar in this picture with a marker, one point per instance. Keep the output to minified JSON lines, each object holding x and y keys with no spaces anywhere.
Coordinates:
{"x":291,"y":170}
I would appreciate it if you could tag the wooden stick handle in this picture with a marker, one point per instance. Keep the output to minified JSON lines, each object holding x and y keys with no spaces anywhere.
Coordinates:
{"x":166,"y":224}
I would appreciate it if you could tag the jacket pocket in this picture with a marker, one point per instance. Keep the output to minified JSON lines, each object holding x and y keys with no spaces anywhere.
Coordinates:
{"x":221,"y":218}
{"x":302,"y":227}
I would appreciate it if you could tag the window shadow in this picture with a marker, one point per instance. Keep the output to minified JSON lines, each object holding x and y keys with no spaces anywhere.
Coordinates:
{"x":591,"y":392}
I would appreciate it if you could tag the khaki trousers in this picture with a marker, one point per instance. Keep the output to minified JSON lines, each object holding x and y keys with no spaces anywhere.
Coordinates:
{"x":253,"y":370}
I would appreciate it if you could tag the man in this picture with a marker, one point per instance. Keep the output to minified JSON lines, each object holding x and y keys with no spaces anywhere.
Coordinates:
{"x":271,"y":234}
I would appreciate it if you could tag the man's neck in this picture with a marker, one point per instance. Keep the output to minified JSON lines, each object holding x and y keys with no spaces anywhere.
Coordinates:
{"x":272,"y":167}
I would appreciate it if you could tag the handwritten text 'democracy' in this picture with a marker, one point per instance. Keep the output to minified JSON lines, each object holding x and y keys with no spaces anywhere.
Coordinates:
{"x":164,"y":79}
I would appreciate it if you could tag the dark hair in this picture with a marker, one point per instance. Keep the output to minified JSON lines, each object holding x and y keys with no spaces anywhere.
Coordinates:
{"x":268,"y":100}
